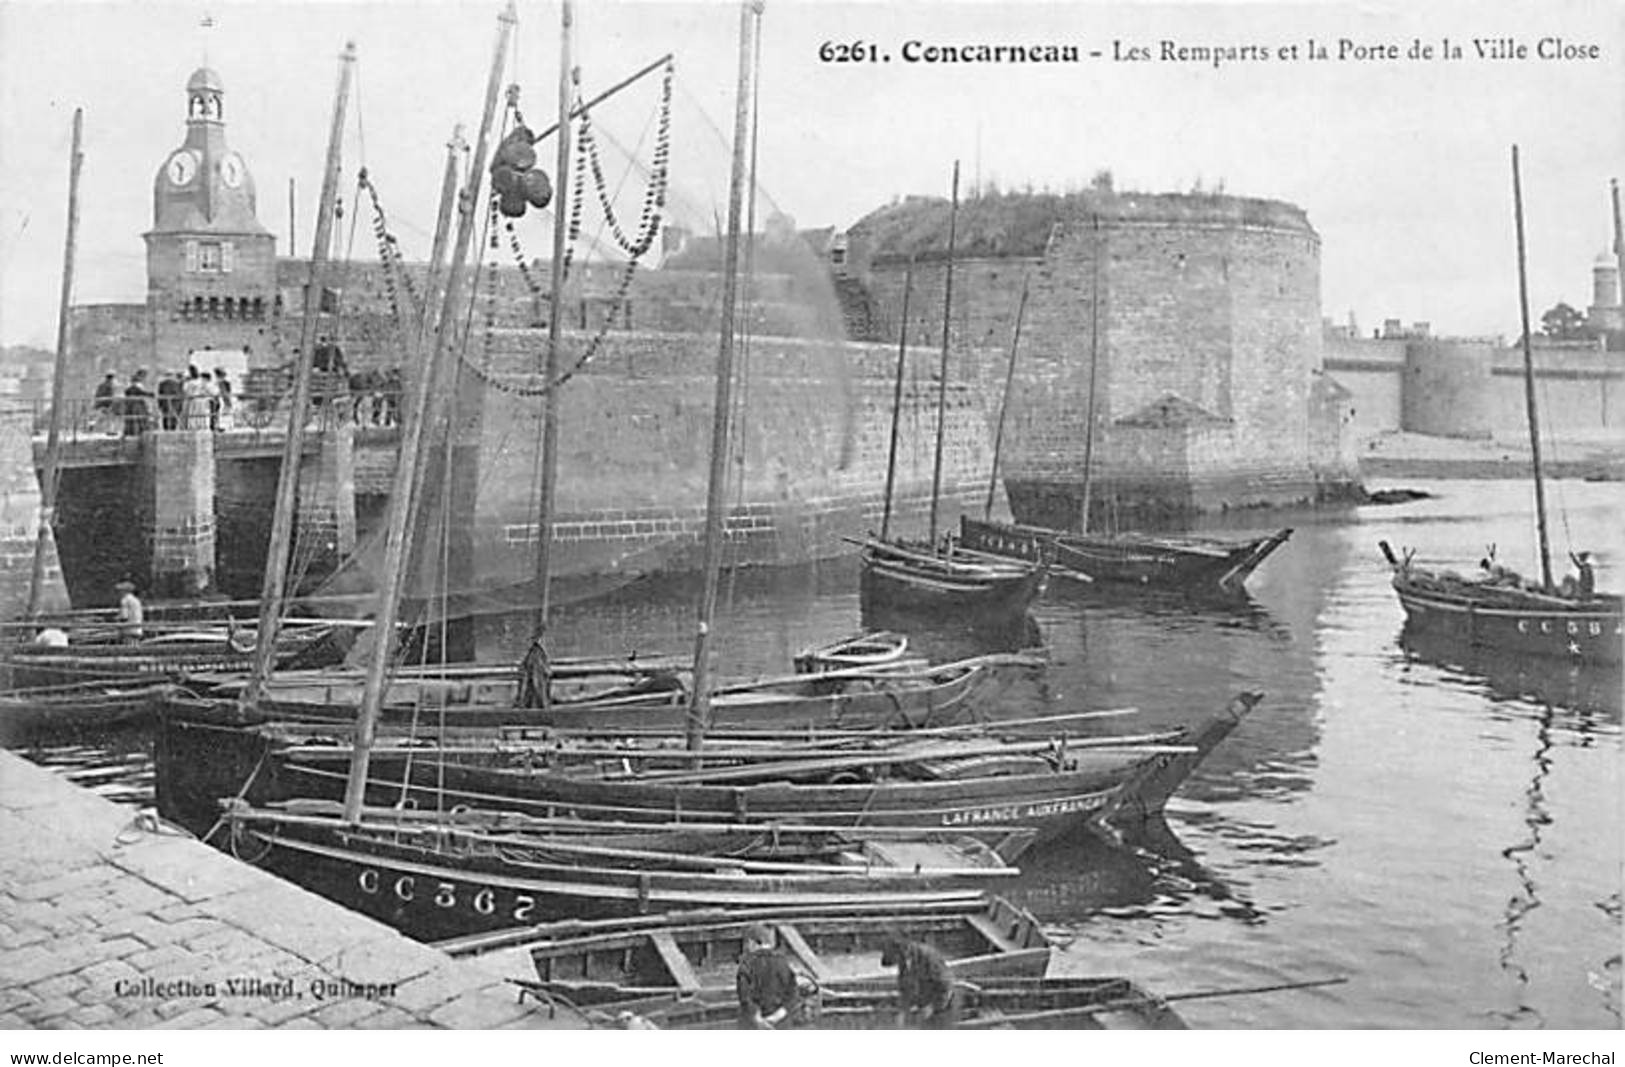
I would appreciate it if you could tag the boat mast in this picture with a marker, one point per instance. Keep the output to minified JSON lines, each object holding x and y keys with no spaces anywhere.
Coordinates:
{"x":1094,"y":363}
{"x":1619,"y":241}
{"x":53,"y":439}
{"x":555,"y":319}
{"x":1004,"y":402}
{"x":1529,"y":382}
{"x":398,"y":535}
{"x":942,"y":368}
{"x":276,"y":562}
{"x":699,"y":713}
{"x":897,"y":401}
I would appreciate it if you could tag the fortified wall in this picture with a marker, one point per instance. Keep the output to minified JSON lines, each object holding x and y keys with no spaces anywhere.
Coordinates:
{"x":1473,"y":387}
{"x":810,"y":446}
{"x":1194,"y":320}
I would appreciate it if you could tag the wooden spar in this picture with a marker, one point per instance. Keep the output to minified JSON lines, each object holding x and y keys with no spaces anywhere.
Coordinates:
{"x":555,"y":321}
{"x":281,"y":540}
{"x":53,"y":439}
{"x":605,"y":95}
{"x":442,"y":231}
{"x":942,"y":367}
{"x":398,"y":537}
{"x":1094,"y":362}
{"x":1004,"y":402}
{"x":1619,"y":243}
{"x":699,"y":713}
{"x":1529,"y":384}
{"x":897,"y":402}
{"x":1279,"y":987}
{"x":429,"y":371}
{"x":292,"y":241}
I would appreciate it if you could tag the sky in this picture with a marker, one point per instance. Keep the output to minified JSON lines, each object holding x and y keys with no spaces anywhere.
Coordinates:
{"x":1402,"y":164}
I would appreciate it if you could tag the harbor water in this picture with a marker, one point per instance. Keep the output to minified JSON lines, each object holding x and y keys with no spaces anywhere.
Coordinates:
{"x":1439,"y":827}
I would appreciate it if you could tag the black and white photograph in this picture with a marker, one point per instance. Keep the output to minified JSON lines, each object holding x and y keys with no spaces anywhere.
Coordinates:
{"x":682,"y":514}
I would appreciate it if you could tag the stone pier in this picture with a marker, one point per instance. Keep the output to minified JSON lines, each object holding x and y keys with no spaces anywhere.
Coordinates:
{"x":180,"y":465}
{"x":108,"y":920}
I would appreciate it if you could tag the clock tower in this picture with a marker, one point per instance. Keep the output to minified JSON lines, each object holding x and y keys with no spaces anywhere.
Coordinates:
{"x":211,"y":266}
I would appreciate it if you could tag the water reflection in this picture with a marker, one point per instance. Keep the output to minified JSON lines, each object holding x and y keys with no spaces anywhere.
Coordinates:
{"x":1143,"y":872}
{"x":1593,"y":691}
{"x":1527,"y":898}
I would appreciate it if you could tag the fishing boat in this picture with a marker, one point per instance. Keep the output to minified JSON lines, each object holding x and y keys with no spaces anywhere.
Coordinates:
{"x":900,"y":575}
{"x":899,"y":696}
{"x":441,"y":878}
{"x":951,"y":777}
{"x":1497,"y":609}
{"x":170,"y":655}
{"x":696,"y":954}
{"x":27,"y":713}
{"x":1187,"y":563}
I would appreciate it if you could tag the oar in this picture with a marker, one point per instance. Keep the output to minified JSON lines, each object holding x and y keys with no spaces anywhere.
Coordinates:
{"x":1137,"y":1001}
{"x":1249,"y":990}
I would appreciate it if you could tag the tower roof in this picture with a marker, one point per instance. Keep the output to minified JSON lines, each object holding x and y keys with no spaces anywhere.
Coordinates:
{"x":205,"y":78}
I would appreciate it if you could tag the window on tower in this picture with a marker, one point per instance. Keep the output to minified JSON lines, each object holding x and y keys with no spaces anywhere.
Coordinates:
{"x":209,"y":256}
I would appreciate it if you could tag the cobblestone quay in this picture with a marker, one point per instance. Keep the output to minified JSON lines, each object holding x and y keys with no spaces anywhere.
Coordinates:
{"x":106,"y":922}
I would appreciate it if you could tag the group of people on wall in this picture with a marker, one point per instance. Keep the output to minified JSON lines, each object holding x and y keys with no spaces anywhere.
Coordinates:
{"x":193,"y":400}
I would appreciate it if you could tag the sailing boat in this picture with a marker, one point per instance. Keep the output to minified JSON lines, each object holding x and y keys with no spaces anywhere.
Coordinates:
{"x":445,"y":876}
{"x":1192,"y":564}
{"x":1499,"y":611}
{"x":910,"y":576}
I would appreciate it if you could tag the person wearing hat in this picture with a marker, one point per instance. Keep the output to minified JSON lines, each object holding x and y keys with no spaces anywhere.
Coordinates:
{"x":1585,"y":586}
{"x":131,"y":615}
{"x":536,"y":674}
{"x":766,"y":984}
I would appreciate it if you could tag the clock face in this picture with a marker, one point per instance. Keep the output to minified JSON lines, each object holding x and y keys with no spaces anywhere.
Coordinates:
{"x":231,"y":170}
{"x":182,"y":165}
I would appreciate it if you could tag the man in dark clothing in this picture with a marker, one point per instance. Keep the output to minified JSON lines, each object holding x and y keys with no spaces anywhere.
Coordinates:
{"x":170,"y":400}
{"x":536,"y":675}
{"x":103,"y":410}
{"x":925,"y":987}
{"x":766,"y":984}
{"x":137,"y":398}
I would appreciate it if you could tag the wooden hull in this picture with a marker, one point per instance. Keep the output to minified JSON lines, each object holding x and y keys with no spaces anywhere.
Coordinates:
{"x":928,"y":696}
{"x":27,"y":713}
{"x":1189,"y":563}
{"x":35,"y":666}
{"x":432,"y":886}
{"x":697,"y":954}
{"x":198,"y":764}
{"x":897,"y":579}
{"x":993,"y":1004}
{"x":1513,"y":622}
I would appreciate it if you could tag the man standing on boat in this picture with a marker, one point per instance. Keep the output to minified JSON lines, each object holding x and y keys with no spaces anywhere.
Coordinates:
{"x":131,"y":615}
{"x":926,"y":996}
{"x":536,"y":675}
{"x":766,"y":984}
{"x":1585,"y":586}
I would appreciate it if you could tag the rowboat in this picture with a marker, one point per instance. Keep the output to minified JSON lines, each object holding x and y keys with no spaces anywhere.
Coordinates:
{"x":992,"y":1004}
{"x":1194,"y":564}
{"x":872,"y":648}
{"x":946,"y":778}
{"x":441,"y":877}
{"x":696,"y":954}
